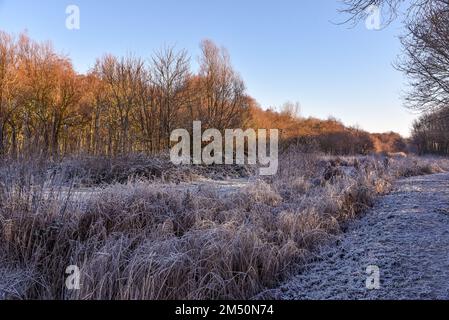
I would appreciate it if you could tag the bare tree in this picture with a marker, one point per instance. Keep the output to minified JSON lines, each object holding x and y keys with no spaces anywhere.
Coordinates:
{"x":425,"y":59}
{"x":123,"y":79}
{"x":222,"y":100}
{"x":46,"y":94}
{"x":170,"y":72}
{"x":357,"y":10}
{"x":8,"y":89}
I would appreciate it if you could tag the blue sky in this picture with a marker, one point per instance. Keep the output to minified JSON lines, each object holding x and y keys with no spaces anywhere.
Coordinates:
{"x":285,"y":50}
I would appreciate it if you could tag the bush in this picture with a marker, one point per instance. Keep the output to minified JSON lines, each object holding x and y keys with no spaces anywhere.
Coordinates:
{"x":97,"y":171}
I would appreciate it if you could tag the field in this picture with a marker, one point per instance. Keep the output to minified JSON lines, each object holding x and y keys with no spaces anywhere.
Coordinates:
{"x":141,"y":228}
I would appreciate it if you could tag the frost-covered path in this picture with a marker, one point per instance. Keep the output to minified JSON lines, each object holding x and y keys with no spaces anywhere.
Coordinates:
{"x":406,"y":235}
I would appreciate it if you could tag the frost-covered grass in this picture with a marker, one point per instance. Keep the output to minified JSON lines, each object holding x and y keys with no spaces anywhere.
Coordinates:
{"x":406,"y":228}
{"x":145,"y":239}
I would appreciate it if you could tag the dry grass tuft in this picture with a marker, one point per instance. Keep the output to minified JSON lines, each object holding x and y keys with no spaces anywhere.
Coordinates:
{"x":148,"y":240}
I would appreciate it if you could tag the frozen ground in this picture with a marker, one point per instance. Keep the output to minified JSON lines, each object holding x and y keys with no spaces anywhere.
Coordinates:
{"x":223,"y":187}
{"x":406,"y":235}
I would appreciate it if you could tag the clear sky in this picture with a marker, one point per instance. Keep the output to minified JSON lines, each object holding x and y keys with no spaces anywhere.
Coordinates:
{"x":285,"y":50}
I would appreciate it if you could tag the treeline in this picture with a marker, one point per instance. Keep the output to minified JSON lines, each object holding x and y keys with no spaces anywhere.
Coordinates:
{"x":131,"y":105}
{"x":329,"y":136}
{"x":122,"y":105}
{"x":431,"y":133}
